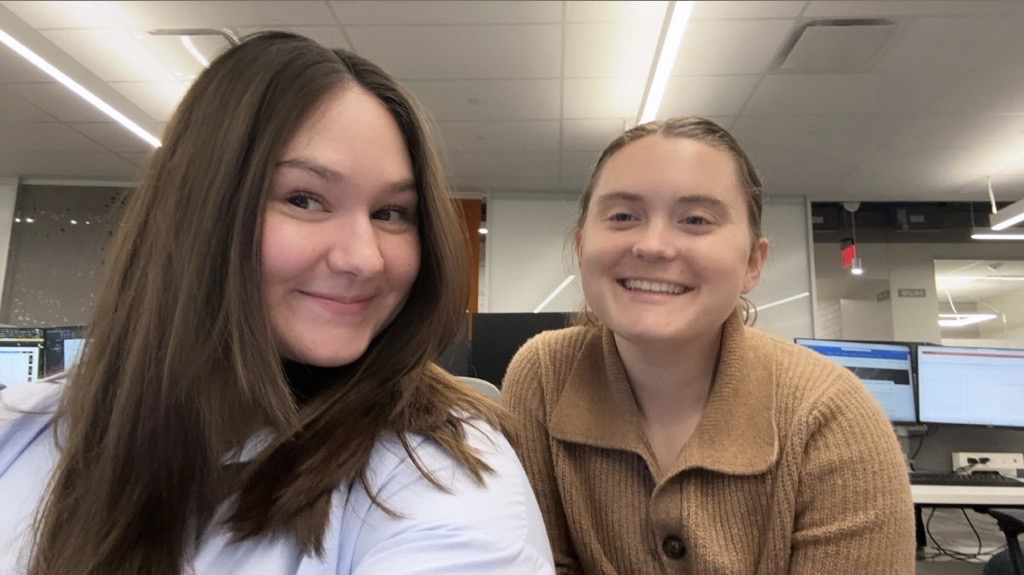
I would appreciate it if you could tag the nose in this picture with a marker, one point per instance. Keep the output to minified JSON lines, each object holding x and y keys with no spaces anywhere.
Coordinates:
{"x":656,"y":241}
{"x":355,"y":248}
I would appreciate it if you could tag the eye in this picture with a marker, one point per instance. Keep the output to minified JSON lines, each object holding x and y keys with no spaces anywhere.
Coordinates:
{"x":695,"y":221}
{"x":306,"y":201}
{"x":392,"y":214}
{"x":620,"y":217}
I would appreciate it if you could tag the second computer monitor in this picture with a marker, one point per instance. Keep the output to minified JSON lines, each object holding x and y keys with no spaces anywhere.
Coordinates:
{"x":63,"y":347}
{"x":971,"y":385}
{"x":884,"y":367}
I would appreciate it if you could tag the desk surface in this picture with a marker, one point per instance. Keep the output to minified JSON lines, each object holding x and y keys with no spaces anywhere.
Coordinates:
{"x":967,"y":496}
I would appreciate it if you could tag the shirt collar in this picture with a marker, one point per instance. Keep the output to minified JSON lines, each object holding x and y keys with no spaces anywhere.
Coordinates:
{"x":737,"y":433}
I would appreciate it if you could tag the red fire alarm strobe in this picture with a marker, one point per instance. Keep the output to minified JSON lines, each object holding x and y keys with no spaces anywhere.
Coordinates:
{"x":849,"y":250}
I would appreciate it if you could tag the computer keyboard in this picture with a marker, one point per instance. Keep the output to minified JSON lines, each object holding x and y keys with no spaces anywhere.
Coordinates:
{"x":977,"y":480}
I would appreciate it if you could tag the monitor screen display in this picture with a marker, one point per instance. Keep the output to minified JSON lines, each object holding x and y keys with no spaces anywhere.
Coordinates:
{"x":63,"y":347}
{"x":20,"y":355}
{"x":884,"y":367}
{"x":971,"y":385}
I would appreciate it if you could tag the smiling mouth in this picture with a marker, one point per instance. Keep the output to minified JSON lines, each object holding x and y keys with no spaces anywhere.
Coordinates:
{"x":653,"y":287}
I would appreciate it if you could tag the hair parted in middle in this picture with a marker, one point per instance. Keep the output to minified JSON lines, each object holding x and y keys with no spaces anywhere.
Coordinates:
{"x":699,"y":130}
{"x":181,"y":365}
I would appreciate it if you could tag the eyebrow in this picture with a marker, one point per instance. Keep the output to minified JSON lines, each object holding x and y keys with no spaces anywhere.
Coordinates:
{"x":331,"y":175}
{"x":699,"y":199}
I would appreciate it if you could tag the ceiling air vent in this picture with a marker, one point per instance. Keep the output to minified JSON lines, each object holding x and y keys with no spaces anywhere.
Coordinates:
{"x":836,"y":45}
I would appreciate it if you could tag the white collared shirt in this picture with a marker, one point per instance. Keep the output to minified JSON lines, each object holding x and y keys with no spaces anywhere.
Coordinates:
{"x":475,"y":529}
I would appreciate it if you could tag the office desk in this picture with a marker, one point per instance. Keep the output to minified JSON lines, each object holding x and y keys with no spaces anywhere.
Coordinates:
{"x":977,"y":498}
{"x":967,"y":496}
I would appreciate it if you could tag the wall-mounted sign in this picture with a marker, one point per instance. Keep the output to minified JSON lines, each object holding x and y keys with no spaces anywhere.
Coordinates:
{"x":912,"y":292}
{"x":882,"y":295}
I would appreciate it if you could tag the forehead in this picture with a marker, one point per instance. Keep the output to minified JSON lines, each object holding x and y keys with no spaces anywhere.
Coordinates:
{"x":658,"y":166}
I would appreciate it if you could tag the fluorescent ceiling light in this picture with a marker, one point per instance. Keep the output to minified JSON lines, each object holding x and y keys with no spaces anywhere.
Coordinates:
{"x":187,"y":42}
{"x":761,"y":308}
{"x":1010,"y":215}
{"x":77,"y":88}
{"x":988,"y":234}
{"x":962,"y":319}
{"x":557,"y":291}
{"x":679,"y":15}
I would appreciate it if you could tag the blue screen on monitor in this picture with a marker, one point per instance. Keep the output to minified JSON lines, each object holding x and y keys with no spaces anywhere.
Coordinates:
{"x":971,"y":385}
{"x":885,"y":369}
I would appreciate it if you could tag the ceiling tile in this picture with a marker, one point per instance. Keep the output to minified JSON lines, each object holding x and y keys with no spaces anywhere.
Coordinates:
{"x":579,"y":163}
{"x":59,"y":102}
{"x":580,"y":135}
{"x":14,"y":68}
{"x":603,"y":98}
{"x":992,"y":90}
{"x":14,"y":108}
{"x":513,"y":136}
{"x":610,"y":50}
{"x":745,"y":9}
{"x":869,"y":93}
{"x":489,"y":100}
{"x":147,"y":14}
{"x":607,"y":11}
{"x":962,"y":131}
{"x":524,"y":184}
{"x":139,"y":159}
{"x":706,"y":95}
{"x":112,"y":136}
{"x":881,"y":8}
{"x":950,"y":45}
{"x":56,"y":14}
{"x":818,"y":171}
{"x":158,"y":99}
{"x":66,"y":165}
{"x":818,"y":131}
{"x":504,"y":164}
{"x":906,"y":173}
{"x":461,"y":52}
{"x":730,"y":46}
{"x":113,"y":55}
{"x":44,"y":137}
{"x":450,"y":12}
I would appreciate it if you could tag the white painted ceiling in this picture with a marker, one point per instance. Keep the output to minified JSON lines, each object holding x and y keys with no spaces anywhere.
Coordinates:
{"x":527,"y":93}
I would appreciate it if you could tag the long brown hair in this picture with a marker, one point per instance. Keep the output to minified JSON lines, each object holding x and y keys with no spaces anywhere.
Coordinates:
{"x":691,"y":128}
{"x":181,"y":367}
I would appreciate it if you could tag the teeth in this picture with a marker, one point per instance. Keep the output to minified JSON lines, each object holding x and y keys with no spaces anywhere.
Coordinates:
{"x":658,"y":287}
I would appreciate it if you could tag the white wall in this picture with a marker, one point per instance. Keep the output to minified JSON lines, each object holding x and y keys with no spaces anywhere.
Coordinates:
{"x":787,"y":272}
{"x":8,"y":199}
{"x":528,"y":253}
{"x":866,"y":319}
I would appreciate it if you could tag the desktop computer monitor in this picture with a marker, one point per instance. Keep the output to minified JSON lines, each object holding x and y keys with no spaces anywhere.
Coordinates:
{"x":971,"y":386}
{"x":884,"y":367}
{"x":21,"y":350}
{"x":62,"y":347}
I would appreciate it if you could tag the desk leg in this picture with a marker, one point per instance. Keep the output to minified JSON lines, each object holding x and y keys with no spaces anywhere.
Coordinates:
{"x":922,"y":539}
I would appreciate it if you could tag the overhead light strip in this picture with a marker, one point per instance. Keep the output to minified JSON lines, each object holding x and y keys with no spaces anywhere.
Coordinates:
{"x":1010,"y":215}
{"x":77,"y":88}
{"x":557,"y":291}
{"x":761,"y":308}
{"x":962,"y":319}
{"x":987,"y":234}
{"x":678,"y":14}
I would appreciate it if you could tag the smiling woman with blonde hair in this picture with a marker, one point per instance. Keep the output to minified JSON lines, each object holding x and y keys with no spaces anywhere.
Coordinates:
{"x":258,"y":394}
{"x":665,"y":436}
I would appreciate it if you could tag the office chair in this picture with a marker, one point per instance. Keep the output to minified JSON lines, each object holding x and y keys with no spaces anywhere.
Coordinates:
{"x":483,"y":386}
{"x":1011,"y":521}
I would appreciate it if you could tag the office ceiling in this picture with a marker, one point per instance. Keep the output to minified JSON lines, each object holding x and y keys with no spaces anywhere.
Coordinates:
{"x":922,"y":106}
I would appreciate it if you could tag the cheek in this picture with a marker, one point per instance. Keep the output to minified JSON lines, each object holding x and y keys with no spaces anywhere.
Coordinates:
{"x":403,"y":258}
{"x":281,"y":256}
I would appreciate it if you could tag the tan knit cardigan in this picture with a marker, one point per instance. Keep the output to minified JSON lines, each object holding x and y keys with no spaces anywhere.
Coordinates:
{"x":793,"y":468}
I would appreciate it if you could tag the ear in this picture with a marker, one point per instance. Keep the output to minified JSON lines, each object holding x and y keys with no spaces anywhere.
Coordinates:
{"x":758,"y":255}
{"x":577,"y":243}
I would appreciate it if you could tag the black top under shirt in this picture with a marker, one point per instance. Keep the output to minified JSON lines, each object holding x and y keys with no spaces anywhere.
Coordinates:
{"x":306,"y":381}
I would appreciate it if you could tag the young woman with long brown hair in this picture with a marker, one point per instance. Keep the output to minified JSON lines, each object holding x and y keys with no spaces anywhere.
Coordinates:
{"x":258,"y":392}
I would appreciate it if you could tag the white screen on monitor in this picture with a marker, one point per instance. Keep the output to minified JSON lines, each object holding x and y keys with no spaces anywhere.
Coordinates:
{"x":971,"y":385}
{"x":18,"y":365}
{"x":884,"y":368}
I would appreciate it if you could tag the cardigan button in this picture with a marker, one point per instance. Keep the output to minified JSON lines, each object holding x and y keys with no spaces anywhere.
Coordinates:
{"x":673,"y":547}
